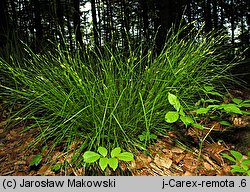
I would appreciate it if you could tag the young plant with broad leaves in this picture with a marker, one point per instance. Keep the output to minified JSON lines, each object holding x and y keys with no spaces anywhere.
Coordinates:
{"x":174,"y":116}
{"x":104,"y":160}
{"x":241,"y":166}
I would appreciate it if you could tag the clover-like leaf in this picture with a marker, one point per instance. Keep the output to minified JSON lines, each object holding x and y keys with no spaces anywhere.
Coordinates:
{"x":171,"y":116}
{"x":57,"y":167}
{"x":126,"y":156}
{"x":103,"y":151}
{"x":116,"y":151}
{"x":236,"y":168}
{"x":228,"y":157}
{"x":187,"y":120}
{"x":237,"y":155}
{"x":113,"y":163}
{"x":173,"y":100}
{"x":103,"y":162}
{"x":231,"y":108}
{"x":90,"y":156}
{"x":237,"y":101}
{"x":198,"y":126}
{"x":202,"y":110}
{"x":36,"y":160}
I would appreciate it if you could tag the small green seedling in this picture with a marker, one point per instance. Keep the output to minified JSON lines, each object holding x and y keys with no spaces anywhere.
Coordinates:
{"x":104,"y":161}
{"x":36,"y":160}
{"x":173,"y":116}
{"x":219,"y":111}
{"x":241,"y":166}
{"x":241,"y":103}
{"x":229,"y":108}
{"x":57,"y":167}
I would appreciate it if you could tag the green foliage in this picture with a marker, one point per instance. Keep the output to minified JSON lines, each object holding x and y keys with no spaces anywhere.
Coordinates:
{"x":174,"y":101}
{"x":145,"y":135}
{"x":115,"y":151}
{"x":241,"y":166}
{"x":211,"y":91}
{"x":103,"y":151}
{"x":57,"y":167}
{"x":113,"y":163}
{"x":241,"y":103}
{"x":228,"y":108}
{"x":109,"y":98}
{"x":173,"y":116}
{"x":218,"y":109}
{"x":91,"y":157}
{"x":36,"y":160}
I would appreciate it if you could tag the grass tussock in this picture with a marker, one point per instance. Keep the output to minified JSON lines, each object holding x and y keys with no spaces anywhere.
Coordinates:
{"x":105,"y":98}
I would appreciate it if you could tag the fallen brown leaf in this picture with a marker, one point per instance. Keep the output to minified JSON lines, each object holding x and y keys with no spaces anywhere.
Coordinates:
{"x":190,"y":164}
{"x":214,"y":150}
{"x":177,"y":150}
{"x":140,"y":162}
{"x":156,"y":169}
{"x":20,"y":163}
{"x":207,"y":166}
{"x":14,"y":133}
{"x":187,"y":173}
{"x":162,"y":161}
{"x":178,"y":158}
{"x":43,"y":169}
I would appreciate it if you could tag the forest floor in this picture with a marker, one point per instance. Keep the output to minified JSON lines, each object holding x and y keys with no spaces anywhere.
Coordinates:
{"x":168,"y":156}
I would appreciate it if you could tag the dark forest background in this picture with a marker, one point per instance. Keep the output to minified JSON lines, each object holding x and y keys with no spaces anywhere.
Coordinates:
{"x":117,"y":22}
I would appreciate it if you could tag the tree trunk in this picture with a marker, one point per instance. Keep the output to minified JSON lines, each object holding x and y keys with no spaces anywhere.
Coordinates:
{"x":232,"y":20}
{"x":221,"y":14}
{"x":125,"y":23}
{"x":215,"y":13}
{"x":94,"y":18}
{"x":59,"y":14}
{"x":69,"y":27}
{"x":4,"y":20}
{"x":189,"y":11}
{"x":167,"y":15}
{"x":144,"y":14}
{"x":109,"y":22}
{"x":38,"y":24}
{"x":77,"y":22}
{"x":207,"y":16}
